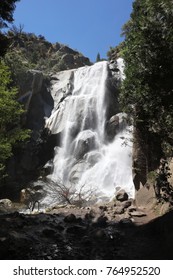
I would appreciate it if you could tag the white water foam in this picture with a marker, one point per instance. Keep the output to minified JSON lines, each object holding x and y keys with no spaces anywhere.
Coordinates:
{"x":85,"y":159}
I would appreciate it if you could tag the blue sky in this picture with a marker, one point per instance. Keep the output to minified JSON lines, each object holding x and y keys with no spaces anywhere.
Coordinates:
{"x":89,"y":26}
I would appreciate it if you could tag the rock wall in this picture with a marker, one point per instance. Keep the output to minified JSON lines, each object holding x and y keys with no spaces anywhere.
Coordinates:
{"x":24,"y":166}
{"x":147,"y":153}
{"x":139,"y":159}
{"x":39,"y":97}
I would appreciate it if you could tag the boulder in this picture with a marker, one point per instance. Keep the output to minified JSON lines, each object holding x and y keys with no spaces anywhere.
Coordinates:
{"x":85,"y":142}
{"x":101,"y":221}
{"x":112,"y":127}
{"x":6,"y":203}
{"x":126,"y":203}
{"x":99,"y":235}
{"x":76,"y":171}
{"x":137,"y":214}
{"x":122,"y":196}
{"x":119,"y":210}
{"x":92,"y":157}
{"x":71,"y":218}
{"x":103,"y":208}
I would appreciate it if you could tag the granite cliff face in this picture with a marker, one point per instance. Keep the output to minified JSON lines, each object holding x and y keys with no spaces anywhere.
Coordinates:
{"x":28,"y":51}
{"x":33,"y":61}
{"x":47,"y":97}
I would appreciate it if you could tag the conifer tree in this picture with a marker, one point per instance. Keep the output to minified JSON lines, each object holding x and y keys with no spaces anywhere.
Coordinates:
{"x":147,"y":91}
{"x":98,"y":57}
{"x":10,"y":113}
{"x":6,"y":16}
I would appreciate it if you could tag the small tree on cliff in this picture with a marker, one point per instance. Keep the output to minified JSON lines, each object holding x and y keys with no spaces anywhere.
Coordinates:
{"x":98,"y":58}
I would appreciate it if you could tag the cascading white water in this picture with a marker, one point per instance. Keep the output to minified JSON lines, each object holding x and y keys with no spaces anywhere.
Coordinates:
{"x":85,"y":159}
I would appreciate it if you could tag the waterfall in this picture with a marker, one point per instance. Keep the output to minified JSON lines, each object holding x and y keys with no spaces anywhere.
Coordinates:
{"x":85,"y":159}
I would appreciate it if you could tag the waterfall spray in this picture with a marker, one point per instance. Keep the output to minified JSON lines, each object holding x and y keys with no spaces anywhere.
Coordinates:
{"x":85,"y":159}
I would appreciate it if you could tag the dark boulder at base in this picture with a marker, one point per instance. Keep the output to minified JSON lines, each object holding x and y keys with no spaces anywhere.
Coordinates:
{"x":121,"y":196}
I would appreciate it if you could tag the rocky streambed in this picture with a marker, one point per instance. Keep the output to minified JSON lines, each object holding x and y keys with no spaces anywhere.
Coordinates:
{"x":117,"y":230}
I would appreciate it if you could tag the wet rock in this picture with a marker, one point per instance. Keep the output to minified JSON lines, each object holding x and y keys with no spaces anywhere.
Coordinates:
{"x":113,"y":66}
{"x":122,"y":196}
{"x":63,"y":88}
{"x":77,"y":170}
{"x":112,"y":127}
{"x":84,"y":143}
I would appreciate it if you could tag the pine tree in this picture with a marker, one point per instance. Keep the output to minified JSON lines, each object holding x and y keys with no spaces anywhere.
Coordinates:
{"x":6,"y":16}
{"x":98,"y":57}
{"x":6,"y":11}
{"x":10,"y":113}
{"x":148,"y":88}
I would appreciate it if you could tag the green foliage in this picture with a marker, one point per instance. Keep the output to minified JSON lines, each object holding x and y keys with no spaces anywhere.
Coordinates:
{"x":163,"y":188}
{"x":152,"y":176}
{"x":18,"y":66}
{"x":115,"y":52}
{"x":28,"y":51}
{"x":6,"y":15}
{"x":148,"y":53}
{"x":10,"y":112}
{"x":6,"y":11}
